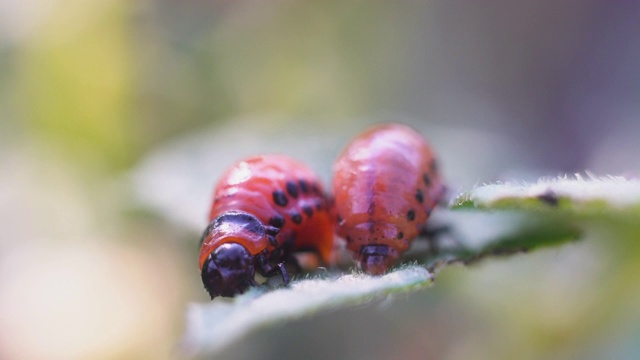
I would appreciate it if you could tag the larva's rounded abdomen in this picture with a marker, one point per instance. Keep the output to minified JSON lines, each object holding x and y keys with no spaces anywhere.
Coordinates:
{"x":386,"y":182}
{"x":283,"y":195}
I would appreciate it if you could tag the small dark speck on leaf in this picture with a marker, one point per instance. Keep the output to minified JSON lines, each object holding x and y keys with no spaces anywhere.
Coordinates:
{"x":549,"y":197}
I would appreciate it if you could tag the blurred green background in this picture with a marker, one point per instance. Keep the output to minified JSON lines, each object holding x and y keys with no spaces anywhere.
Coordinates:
{"x":116,"y":117}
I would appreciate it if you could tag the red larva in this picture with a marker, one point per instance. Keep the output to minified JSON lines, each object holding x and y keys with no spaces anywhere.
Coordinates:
{"x":264,"y":208}
{"x":386,"y":183}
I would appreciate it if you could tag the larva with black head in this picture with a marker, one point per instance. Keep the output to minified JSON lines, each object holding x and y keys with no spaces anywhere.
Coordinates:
{"x":264,"y":208}
{"x":385,"y":184}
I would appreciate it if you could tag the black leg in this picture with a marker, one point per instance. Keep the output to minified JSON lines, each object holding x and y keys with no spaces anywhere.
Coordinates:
{"x":264,"y":267}
{"x":434,"y":231}
{"x":285,"y":275}
{"x":445,"y":197}
{"x":293,"y":261}
{"x":432,"y":235}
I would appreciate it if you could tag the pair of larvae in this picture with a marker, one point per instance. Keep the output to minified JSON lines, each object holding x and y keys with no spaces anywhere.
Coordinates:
{"x":386,"y":182}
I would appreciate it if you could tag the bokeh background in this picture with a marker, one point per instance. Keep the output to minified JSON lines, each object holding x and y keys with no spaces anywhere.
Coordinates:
{"x":116,"y":116}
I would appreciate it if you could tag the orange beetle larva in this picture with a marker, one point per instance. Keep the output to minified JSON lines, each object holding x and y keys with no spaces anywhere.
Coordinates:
{"x":264,"y":208}
{"x":386,"y":183}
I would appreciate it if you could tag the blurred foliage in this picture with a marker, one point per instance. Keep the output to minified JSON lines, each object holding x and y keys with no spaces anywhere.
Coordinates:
{"x":75,"y":80}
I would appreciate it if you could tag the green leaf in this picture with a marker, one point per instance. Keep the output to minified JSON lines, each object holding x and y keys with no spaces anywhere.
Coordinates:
{"x":212,"y":326}
{"x":581,"y":195}
{"x":547,"y":213}
{"x":522,"y":235}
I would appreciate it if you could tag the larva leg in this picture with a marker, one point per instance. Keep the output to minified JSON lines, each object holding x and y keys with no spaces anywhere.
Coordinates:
{"x":285,"y":275}
{"x":429,"y":232}
{"x":433,"y":235}
{"x":444,"y":197}
{"x":265,"y":268}
{"x":293,"y":261}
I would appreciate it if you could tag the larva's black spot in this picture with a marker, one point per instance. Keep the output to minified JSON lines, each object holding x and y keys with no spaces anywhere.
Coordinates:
{"x":316,"y":189}
{"x":348,"y":238}
{"x":319,"y":205}
{"x":549,"y":197}
{"x":220,"y":198}
{"x":272,"y":240}
{"x":434,"y":166}
{"x":292,"y":189}
{"x":419,"y":196}
{"x":411,"y":215}
{"x":277,"y":221}
{"x":400,"y":235}
{"x":296,"y":218}
{"x":339,"y":219}
{"x":426,"y":179}
{"x":307,"y":210}
{"x":280,"y":198}
{"x":304,"y":186}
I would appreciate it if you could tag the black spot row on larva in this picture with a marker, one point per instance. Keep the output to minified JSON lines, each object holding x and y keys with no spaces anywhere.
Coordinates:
{"x":292,"y":189}
{"x":280,"y":198}
{"x":277,"y":221}
{"x":296,"y":217}
{"x":426,"y":179}
{"x":307,"y":210}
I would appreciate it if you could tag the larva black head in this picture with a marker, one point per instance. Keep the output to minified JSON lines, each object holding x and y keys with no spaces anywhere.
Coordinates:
{"x":377,"y":259}
{"x":228,"y":270}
